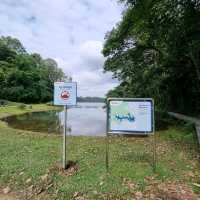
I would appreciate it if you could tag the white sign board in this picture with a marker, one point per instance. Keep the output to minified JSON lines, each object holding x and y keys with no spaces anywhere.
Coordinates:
{"x":65,"y":94}
{"x":131,"y":116}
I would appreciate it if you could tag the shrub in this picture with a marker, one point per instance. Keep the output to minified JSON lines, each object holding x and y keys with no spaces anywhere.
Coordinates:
{"x":22,"y":106}
{"x":29,"y":106}
{"x":3,"y":102}
{"x":49,"y":103}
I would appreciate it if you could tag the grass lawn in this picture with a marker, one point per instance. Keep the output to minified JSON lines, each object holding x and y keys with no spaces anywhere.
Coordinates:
{"x":28,"y":164}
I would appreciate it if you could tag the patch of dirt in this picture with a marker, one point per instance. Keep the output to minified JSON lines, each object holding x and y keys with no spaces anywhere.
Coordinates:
{"x":162,"y":191}
{"x":156,"y":190}
{"x":7,"y":197}
{"x":38,"y":191}
{"x":78,"y":196}
{"x":170,"y":191}
{"x":71,"y":169}
{"x":7,"y":194}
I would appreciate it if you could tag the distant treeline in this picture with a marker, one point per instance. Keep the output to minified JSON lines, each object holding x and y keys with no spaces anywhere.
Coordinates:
{"x":26,"y":77}
{"x":91,"y":99}
{"x":154,"y":51}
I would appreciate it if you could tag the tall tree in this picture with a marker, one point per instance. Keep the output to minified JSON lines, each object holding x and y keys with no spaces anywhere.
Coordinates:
{"x":13,"y":44}
{"x":25,"y":77}
{"x":153,"y":48}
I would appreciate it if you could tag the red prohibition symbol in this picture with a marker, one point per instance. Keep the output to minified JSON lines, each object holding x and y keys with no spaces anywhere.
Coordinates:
{"x":65,"y":95}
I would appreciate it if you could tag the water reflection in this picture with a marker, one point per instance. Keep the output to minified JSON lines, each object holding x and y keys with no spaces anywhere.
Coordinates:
{"x":85,"y":119}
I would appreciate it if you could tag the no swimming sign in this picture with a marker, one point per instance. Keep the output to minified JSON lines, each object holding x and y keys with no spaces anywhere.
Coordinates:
{"x":65,"y":94}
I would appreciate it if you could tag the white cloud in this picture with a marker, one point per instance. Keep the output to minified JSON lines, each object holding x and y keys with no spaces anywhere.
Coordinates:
{"x":87,"y":70}
{"x":72,"y":32}
{"x":90,"y":52}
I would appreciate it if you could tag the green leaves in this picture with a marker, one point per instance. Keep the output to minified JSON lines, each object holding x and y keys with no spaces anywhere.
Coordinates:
{"x":24,"y":77}
{"x":155,"y":52}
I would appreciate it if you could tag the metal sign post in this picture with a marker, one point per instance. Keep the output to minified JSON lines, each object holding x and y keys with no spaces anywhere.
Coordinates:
{"x":154,"y":150}
{"x":154,"y":154}
{"x":107,"y":139}
{"x":65,"y":139}
{"x":65,"y":94}
{"x":107,"y":150}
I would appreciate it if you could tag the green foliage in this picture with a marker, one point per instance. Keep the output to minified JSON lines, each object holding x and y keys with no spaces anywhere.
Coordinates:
{"x":22,"y":106}
{"x":25,"y":77}
{"x":155,"y":52}
{"x":3,"y":102}
{"x":49,"y":103}
{"x":29,"y":106}
{"x":13,"y":44}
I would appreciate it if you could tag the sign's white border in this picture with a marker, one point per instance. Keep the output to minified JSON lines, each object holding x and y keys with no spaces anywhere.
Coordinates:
{"x":131,"y":100}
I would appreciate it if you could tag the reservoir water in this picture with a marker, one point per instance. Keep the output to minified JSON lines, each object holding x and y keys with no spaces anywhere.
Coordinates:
{"x":85,"y":119}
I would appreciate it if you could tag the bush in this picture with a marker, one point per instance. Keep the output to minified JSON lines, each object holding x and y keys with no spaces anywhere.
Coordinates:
{"x":3,"y":102}
{"x":29,"y":106}
{"x":22,"y":106}
{"x":49,"y":103}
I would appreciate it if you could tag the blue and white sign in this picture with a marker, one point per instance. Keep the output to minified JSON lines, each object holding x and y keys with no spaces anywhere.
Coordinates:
{"x":65,"y":94}
{"x":131,"y":116}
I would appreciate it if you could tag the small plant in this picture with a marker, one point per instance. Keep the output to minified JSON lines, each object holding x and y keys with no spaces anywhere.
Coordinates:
{"x":49,"y":103}
{"x":29,"y":106}
{"x":3,"y":102}
{"x":22,"y":106}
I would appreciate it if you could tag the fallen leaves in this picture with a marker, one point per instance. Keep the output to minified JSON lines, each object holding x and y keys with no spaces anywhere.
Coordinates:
{"x":28,"y":181}
{"x":130,"y":185}
{"x":44,"y":177}
{"x":7,"y":190}
{"x":157,"y":190}
{"x":44,"y":183}
{"x":138,"y":195}
{"x":168,"y":191}
{"x":78,"y":196}
{"x":72,"y":169}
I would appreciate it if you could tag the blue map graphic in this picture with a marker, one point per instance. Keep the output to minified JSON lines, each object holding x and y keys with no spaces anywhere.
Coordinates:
{"x":127,"y":117}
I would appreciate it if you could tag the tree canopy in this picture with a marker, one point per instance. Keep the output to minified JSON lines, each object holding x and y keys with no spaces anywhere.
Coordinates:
{"x":155,"y":52}
{"x":26,"y":77}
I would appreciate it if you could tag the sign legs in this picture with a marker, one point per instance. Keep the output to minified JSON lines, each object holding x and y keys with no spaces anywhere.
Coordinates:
{"x":107,"y":151}
{"x":107,"y":138}
{"x":154,"y":153}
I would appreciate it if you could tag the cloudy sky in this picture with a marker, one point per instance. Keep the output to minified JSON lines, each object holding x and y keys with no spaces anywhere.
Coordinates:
{"x":69,"y":31}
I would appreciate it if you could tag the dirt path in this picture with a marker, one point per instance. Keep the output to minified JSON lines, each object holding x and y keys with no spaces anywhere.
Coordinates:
{"x":7,"y":194}
{"x":7,"y":197}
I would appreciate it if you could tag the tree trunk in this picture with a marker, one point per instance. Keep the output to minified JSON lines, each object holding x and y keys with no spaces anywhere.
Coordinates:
{"x":197,"y":68}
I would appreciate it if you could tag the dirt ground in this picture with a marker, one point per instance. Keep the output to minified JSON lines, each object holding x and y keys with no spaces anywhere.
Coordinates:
{"x":163,"y":191}
{"x":7,"y":197}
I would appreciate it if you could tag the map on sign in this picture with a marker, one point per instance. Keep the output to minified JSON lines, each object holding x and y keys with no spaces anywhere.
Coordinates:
{"x":65,"y":93}
{"x":131,"y":116}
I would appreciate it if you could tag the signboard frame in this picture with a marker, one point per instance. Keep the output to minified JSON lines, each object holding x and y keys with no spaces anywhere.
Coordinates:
{"x":65,"y":84}
{"x":134,"y":133}
{"x":131,"y":132}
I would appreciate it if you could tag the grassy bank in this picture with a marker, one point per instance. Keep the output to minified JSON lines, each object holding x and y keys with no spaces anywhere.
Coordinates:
{"x":29,"y":164}
{"x":17,"y":109}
